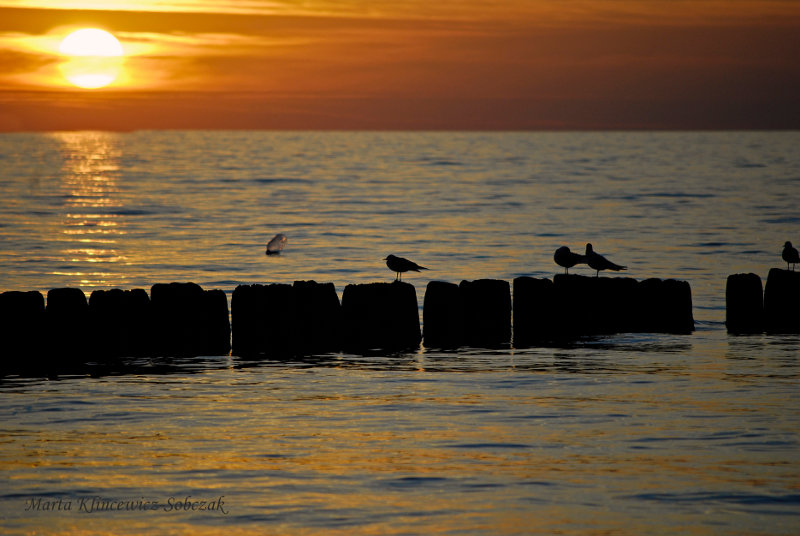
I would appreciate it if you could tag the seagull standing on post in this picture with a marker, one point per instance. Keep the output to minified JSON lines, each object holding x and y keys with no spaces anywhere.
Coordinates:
{"x":790,"y":255}
{"x":598,"y":262}
{"x":564,"y":257}
{"x":400,"y":265}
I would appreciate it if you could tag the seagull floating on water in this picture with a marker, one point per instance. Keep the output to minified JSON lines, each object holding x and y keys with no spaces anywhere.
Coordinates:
{"x":598,"y":262}
{"x":790,"y":255}
{"x":275,"y":246}
{"x":400,"y":265}
{"x":564,"y":257}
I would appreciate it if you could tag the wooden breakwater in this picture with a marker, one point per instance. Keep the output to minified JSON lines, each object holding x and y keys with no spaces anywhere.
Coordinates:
{"x":176,"y":319}
{"x":307,"y":318}
{"x":751,"y":307}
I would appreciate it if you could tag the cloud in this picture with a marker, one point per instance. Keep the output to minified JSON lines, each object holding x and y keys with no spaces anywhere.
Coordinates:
{"x":15,"y":62}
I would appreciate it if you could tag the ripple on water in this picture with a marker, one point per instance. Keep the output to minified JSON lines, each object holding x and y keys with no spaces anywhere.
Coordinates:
{"x":626,"y":434}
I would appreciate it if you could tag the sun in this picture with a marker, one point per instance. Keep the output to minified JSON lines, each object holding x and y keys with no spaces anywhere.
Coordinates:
{"x":95,"y":58}
{"x":90,"y":42}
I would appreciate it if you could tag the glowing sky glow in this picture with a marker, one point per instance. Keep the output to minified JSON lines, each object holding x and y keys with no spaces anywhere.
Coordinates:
{"x":460,"y":64}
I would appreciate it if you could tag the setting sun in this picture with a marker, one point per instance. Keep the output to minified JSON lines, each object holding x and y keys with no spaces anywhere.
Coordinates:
{"x":95,"y":58}
{"x":90,"y":42}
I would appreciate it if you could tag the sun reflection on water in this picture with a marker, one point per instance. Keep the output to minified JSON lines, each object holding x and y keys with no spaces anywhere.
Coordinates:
{"x":91,"y":224}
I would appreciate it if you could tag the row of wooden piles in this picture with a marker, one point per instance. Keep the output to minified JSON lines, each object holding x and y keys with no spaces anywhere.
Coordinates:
{"x":751,"y":307}
{"x":306,"y":318}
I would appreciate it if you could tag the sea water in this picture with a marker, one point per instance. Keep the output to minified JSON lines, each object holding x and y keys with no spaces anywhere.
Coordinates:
{"x":621,"y":434}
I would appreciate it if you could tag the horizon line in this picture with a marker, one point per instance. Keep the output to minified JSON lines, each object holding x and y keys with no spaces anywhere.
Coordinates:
{"x":412,"y":130}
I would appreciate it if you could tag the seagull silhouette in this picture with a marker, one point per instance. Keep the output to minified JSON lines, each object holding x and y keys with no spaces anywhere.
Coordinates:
{"x":400,"y":265}
{"x":275,"y":245}
{"x":564,"y":257}
{"x":790,"y":255}
{"x":598,"y":262}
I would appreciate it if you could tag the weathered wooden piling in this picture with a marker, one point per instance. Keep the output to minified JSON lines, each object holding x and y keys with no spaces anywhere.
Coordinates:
{"x":594,"y":305}
{"x":744,"y":304}
{"x":319,"y":318}
{"x":616,"y":304}
{"x":534,"y":311}
{"x":67,"y":326}
{"x":665,"y":306}
{"x":603,"y":305}
{"x":575,"y":305}
{"x":218,"y":323}
{"x":443,"y":316}
{"x":263,"y":320}
{"x":281,"y":320}
{"x":121,"y":323}
{"x":487,"y":312}
{"x":782,"y":301}
{"x":380,"y":315}
{"x":22,"y":325}
{"x":188,"y":321}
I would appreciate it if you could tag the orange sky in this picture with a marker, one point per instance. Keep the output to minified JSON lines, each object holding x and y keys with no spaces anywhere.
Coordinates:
{"x":410,"y":64}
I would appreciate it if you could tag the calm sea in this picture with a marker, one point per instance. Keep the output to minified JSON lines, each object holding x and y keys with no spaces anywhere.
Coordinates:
{"x":625,"y":434}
